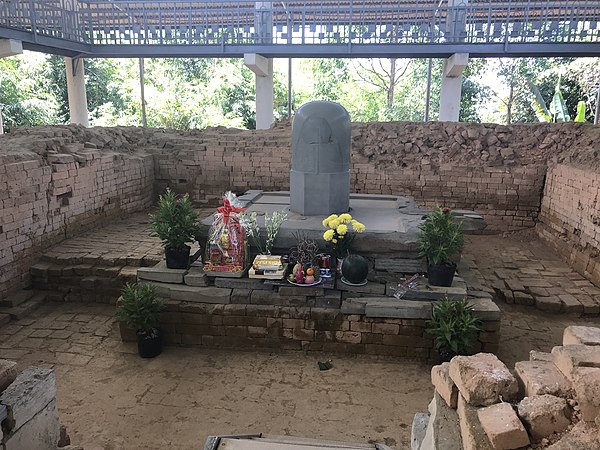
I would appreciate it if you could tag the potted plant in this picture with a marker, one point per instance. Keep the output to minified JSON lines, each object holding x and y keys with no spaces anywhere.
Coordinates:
{"x":341,"y":231}
{"x":455,"y":328}
{"x":440,"y":240}
{"x":175,"y":223}
{"x":140,"y":310}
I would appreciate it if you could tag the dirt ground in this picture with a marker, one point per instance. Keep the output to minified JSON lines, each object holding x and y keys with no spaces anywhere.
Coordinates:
{"x":109,"y":398}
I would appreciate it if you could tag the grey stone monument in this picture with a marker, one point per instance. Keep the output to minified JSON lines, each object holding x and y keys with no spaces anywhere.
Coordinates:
{"x":320,"y":177}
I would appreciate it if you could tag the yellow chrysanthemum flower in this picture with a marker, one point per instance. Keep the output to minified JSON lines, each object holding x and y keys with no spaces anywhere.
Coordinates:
{"x":334,"y":241}
{"x":341,"y":229}
{"x":333,"y":224}
{"x":328,"y":235}
{"x":345,"y":218}
{"x":329,"y":219}
{"x":357,"y":226}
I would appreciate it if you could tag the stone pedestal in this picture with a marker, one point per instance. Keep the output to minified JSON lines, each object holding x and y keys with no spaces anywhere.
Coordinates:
{"x":319,"y":194}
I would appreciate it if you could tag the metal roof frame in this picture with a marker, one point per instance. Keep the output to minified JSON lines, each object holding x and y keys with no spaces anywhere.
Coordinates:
{"x":308,"y":28}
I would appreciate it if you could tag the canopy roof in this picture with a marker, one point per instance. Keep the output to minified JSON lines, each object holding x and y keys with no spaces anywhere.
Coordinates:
{"x":325,"y":28}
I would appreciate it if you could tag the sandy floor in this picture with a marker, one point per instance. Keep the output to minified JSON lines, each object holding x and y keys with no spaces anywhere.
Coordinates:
{"x":109,"y":398}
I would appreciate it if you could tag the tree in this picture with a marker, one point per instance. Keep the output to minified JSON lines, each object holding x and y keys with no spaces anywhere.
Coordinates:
{"x":473,"y":93}
{"x":383,"y":76}
{"x":24,"y":101}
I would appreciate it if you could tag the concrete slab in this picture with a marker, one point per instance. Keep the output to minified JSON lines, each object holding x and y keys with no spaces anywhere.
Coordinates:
{"x":391,"y":222}
{"x":161,"y":273}
{"x":192,"y":293}
{"x":399,"y":309}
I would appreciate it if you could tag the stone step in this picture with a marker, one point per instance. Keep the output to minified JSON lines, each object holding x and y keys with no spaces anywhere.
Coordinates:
{"x":17,"y":298}
{"x":24,"y":309}
{"x":4,"y":319}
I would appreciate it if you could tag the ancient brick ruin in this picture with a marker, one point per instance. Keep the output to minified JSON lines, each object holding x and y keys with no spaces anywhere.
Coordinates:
{"x":57,"y":181}
{"x":552,"y":401}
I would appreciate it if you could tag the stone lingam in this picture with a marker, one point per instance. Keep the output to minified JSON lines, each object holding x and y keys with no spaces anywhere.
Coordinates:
{"x":320,"y":175}
{"x":320,"y":186}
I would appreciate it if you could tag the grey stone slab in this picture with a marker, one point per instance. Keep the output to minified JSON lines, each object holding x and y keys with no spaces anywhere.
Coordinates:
{"x":443,"y":429}
{"x":330,"y":300}
{"x":195,"y":277}
{"x":485,"y":309}
{"x":240,"y":296}
{"x":354,"y":306}
{"x":161,"y":273}
{"x":298,"y":290}
{"x":242,"y":283}
{"x":41,"y":432}
{"x":399,"y":309}
{"x":196,"y":294}
{"x":418,"y":429}
{"x":397,"y":265}
{"x":30,"y":393}
{"x":369,"y":288}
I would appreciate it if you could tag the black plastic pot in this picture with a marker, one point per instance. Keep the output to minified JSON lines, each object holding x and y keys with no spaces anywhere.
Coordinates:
{"x":445,"y":355}
{"x":441,"y":275}
{"x":149,"y":344}
{"x":178,"y":258}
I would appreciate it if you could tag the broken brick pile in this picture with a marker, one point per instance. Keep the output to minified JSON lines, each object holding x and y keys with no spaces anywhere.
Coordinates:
{"x":28,"y":412}
{"x":552,"y":401}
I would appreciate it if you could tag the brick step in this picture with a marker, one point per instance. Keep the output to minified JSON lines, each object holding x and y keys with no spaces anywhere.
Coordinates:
{"x":17,"y":298}
{"x":4,"y":319}
{"x":24,"y":309}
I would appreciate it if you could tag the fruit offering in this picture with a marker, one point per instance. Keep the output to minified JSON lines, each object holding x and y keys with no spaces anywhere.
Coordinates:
{"x":303,"y":275}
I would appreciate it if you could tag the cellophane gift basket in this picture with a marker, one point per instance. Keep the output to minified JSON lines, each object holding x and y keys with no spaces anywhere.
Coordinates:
{"x":226,"y":249}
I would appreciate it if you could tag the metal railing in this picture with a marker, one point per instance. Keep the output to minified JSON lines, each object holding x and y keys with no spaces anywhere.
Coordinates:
{"x":324,"y":23}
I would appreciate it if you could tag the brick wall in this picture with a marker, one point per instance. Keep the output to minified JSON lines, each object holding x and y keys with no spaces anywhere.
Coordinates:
{"x":47,"y":199}
{"x":570,"y":217}
{"x":496,"y":170}
{"x":506,"y":189}
{"x":300,"y":328}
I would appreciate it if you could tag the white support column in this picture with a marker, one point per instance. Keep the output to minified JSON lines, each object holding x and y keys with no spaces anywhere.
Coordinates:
{"x":263,"y":72}
{"x":76,"y":91}
{"x":10,"y":47}
{"x":452,"y":86}
{"x":455,"y":65}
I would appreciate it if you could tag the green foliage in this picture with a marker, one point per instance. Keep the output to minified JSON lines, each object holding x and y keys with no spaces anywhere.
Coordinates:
{"x":473,"y":92}
{"x":23,"y":99}
{"x":454,"y":326}
{"x":139,"y":308}
{"x":175,"y":221}
{"x":237,"y":97}
{"x":441,"y":237}
{"x":580,"y":112}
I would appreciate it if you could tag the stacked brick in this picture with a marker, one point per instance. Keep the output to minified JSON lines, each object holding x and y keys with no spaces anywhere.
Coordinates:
{"x":570,"y":217}
{"x":275,"y":327}
{"x":252,"y":313}
{"x":48,"y":198}
{"x":553,"y":401}
{"x":55,"y":181}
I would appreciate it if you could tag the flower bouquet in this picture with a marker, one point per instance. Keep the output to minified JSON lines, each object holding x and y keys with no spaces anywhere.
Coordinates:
{"x":341,"y":231}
